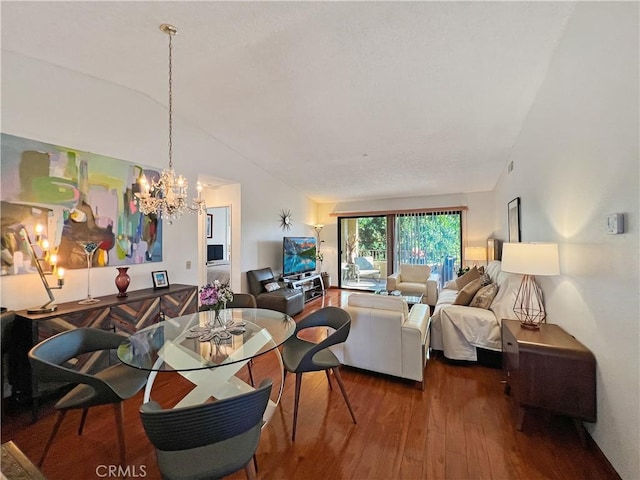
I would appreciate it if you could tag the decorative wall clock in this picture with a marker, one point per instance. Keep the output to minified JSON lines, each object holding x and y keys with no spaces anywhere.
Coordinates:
{"x":285,"y":219}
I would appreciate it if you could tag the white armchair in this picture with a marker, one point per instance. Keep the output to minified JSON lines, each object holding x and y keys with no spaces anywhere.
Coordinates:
{"x":386,"y":336}
{"x":416,"y":279}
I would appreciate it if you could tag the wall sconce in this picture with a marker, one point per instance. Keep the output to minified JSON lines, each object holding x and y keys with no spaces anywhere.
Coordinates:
{"x":47,"y":258}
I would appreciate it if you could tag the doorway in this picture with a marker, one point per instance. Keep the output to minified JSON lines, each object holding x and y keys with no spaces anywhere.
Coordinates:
{"x":218,"y":243}
{"x":363,"y":252}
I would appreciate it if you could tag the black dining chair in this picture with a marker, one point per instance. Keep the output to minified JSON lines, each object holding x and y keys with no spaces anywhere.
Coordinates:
{"x":300,"y":356}
{"x":210,"y":440}
{"x":242,"y":300}
{"x":50,"y":363}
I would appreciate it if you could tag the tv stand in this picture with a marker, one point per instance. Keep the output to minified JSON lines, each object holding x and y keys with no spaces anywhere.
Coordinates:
{"x":311,"y":285}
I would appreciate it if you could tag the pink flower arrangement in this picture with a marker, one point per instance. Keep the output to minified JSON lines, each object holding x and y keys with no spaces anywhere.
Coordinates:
{"x":214,"y":296}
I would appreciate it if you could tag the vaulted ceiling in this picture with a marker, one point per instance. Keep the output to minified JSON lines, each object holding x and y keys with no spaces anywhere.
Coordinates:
{"x":342,"y":100}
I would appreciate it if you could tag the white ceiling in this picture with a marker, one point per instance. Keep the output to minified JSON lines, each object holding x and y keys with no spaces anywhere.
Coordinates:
{"x":342,"y":100}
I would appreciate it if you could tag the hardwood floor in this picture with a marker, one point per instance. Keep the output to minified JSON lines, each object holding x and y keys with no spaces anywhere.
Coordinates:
{"x":461,"y":426}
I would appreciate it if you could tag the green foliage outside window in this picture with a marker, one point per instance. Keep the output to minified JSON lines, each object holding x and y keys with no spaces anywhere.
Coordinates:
{"x":421,"y":238}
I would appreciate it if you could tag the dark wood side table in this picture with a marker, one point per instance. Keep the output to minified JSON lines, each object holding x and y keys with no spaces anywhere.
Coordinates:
{"x":551,"y":370}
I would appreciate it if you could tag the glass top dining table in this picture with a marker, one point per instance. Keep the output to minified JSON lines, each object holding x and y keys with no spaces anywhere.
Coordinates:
{"x":209,"y":354}
{"x":185,"y":343}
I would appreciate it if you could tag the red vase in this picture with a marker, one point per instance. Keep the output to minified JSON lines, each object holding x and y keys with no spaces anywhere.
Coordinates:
{"x":122,"y":281}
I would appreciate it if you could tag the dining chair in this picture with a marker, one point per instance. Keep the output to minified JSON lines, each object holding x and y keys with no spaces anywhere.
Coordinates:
{"x":300,"y":356}
{"x":209,"y":440}
{"x":49,"y":361}
{"x":242,"y":300}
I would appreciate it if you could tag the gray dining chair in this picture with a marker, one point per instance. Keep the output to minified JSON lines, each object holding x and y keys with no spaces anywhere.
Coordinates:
{"x":50,"y":363}
{"x":242,"y":300}
{"x":300,"y":356}
{"x":209,"y":440}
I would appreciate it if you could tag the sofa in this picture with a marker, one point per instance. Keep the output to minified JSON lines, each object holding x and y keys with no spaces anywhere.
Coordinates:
{"x":274,"y":295}
{"x":416,"y":279}
{"x":459,"y":328}
{"x":386,"y":336}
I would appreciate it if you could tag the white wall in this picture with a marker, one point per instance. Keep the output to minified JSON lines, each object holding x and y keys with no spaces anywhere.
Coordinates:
{"x":575,"y":161}
{"x":54,"y":105}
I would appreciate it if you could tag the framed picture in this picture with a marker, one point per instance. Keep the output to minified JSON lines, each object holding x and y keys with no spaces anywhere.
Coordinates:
{"x":494,"y":249}
{"x":160,"y":279}
{"x":514,"y":220}
{"x":209,"y":225}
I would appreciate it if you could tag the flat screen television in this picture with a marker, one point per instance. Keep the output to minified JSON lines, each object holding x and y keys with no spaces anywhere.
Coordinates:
{"x":214,"y":252}
{"x":298,"y":255}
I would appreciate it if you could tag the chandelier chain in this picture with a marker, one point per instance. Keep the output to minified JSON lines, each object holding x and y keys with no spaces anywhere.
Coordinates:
{"x":166,"y":196}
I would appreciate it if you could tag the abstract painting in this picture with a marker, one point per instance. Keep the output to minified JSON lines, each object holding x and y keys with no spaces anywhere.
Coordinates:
{"x":74,"y":197}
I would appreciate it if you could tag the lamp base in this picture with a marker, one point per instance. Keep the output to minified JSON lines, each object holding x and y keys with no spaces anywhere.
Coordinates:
{"x":530,"y":325}
{"x":43,"y":309}
{"x":529,"y":304}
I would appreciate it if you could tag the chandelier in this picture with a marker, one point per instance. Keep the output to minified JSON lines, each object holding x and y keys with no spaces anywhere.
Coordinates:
{"x":167,"y":196}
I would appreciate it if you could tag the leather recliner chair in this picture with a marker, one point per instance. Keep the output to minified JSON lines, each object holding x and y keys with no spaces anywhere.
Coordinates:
{"x":285,"y":300}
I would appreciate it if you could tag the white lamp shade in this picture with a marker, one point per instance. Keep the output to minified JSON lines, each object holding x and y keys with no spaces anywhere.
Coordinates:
{"x":478,"y":254}
{"x":531,"y":258}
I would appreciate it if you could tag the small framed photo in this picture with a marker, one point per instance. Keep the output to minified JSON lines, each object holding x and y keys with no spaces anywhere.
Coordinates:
{"x":209,"y":225}
{"x":160,"y":279}
{"x":514,"y":219}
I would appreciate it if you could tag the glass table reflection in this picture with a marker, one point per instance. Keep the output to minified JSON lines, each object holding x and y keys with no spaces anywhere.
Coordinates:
{"x":173,"y":346}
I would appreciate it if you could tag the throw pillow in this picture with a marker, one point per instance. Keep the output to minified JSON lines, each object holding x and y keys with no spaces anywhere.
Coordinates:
{"x":467,"y":277}
{"x":486,"y":279}
{"x":272,"y":287}
{"x":468,"y":292}
{"x":270,"y":284}
{"x":485,"y":296}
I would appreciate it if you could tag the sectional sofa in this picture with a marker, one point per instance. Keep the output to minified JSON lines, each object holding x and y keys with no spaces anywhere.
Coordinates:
{"x":459,"y":330}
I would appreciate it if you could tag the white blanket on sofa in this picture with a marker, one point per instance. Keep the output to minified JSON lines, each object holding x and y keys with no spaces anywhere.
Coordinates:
{"x":464,"y":328}
{"x":457,"y":330}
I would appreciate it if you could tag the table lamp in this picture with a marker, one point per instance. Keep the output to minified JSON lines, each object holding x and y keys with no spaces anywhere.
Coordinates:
{"x":530,"y":259}
{"x":46,"y":258}
{"x":475,"y":254}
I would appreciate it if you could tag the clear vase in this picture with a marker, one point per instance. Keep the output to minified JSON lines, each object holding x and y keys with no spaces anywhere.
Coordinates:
{"x":89,"y":250}
{"x":215,"y":318}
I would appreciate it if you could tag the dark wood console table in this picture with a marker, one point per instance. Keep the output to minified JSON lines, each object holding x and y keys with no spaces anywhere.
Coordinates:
{"x":123,"y":315}
{"x":551,"y":370}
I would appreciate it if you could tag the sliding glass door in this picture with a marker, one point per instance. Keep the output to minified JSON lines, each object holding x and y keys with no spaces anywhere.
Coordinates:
{"x":431,"y":238}
{"x":372,"y":247}
{"x":363,"y":252}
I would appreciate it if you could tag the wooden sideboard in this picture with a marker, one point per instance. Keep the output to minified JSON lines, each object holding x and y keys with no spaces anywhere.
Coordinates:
{"x":551,"y":370}
{"x":123,"y":315}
